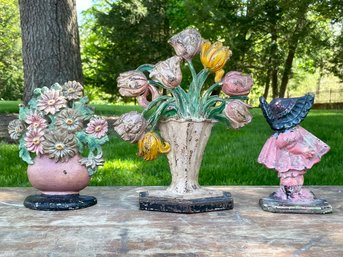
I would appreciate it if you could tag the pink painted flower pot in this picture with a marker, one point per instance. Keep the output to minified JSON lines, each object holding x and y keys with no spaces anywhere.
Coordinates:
{"x":58,"y":178}
{"x":59,"y":183}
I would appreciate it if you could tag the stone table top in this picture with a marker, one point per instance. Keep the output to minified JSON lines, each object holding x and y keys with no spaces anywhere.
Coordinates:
{"x":115,"y":227}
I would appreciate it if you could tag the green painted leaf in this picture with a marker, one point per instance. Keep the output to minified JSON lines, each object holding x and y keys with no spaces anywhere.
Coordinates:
{"x":79,"y":143}
{"x":56,"y":86}
{"x":24,"y":153}
{"x":37,"y":91}
{"x":23,"y":112}
{"x":33,"y":103}
{"x":84,"y":100}
{"x":44,"y":90}
{"x":91,"y":171}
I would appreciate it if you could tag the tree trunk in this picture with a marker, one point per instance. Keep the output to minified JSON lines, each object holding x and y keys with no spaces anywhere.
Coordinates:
{"x":50,"y":38}
{"x":274,"y":59}
{"x":267,"y":84}
{"x":275,"y":81}
{"x":287,"y":70}
{"x":321,"y":74}
{"x":293,"y":44}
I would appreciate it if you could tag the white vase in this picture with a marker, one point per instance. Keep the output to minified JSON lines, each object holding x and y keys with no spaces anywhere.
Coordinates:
{"x":188,"y":140}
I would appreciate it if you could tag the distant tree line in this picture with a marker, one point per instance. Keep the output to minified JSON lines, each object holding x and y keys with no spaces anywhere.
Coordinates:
{"x":266,"y":36}
{"x":11,"y":71}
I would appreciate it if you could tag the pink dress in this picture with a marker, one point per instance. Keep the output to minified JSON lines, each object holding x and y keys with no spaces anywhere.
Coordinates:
{"x":293,"y":150}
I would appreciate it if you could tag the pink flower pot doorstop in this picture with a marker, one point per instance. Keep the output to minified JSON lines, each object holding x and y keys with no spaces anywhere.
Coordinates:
{"x":54,"y":130}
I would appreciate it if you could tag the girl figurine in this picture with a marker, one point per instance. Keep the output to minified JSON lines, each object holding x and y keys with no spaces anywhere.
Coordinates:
{"x":291,"y":151}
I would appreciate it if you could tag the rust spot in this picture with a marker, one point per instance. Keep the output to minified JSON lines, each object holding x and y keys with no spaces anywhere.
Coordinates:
{"x":65,"y":172}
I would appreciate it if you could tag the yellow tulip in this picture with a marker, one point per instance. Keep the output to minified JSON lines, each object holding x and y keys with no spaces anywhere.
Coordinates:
{"x":214,"y":57}
{"x":150,"y":145}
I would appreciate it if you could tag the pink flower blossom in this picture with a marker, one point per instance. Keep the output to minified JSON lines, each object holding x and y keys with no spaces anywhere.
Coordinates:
{"x":168,"y":72}
{"x":33,"y":141}
{"x":16,"y":129}
{"x":51,"y":101}
{"x":236,"y":83}
{"x":72,"y":90}
{"x":97,"y":127}
{"x":132,"y":83}
{"x":187,"y":43}
{"x":36,"y":121}
{"x":238,"y":113}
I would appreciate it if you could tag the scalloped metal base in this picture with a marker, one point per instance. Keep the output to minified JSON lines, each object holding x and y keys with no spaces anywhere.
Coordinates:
{"x":277,"y":205}
{"x":44,"y":202}
{"x":181,"y":205}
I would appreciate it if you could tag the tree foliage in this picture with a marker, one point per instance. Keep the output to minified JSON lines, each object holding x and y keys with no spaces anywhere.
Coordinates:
{"x":266,"y":36}
{"x":11,"y":71}
{"x":122,"y":36}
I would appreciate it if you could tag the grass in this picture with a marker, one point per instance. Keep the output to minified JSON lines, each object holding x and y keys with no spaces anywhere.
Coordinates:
{"x":230,"y":157}
{"x":101,"y":109}
{"x":9,"y":106}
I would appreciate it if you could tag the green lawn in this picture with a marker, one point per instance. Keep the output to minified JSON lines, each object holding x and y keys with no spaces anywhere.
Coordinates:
{"x":101,"y":109}
{"x":9,"y":106}
{"x":230,"y":157}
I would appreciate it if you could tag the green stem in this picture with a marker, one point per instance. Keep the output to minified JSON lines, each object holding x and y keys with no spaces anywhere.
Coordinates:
{"x":170,"y":112}
{"x":195,"y":96}
{"x":191,"y":68}
{"x":192,"y":87}
{"x":239,"y":97}
{"x":222,"y":118}
{"x":216,"y":110}
{"x":158,"y":84}
{"x":210,"y":90}
{"x":210,"y":103}
{"x":179,"y":100}
{"x":157,"y":114}
{"x":145,"y":67}
{"x":154,"y":102}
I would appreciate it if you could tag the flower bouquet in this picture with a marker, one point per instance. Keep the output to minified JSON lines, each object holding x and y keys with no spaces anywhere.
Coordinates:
{"x":53,"y":131}
{"x":183,"y":117}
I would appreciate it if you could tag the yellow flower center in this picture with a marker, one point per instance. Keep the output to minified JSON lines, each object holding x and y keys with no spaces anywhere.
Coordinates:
{"x":51,"y":102}
{"x":71,"y":90}
{"x":69,"y":121}
{"x":18,"y":129}
{"x":36,"y":140}
{"x":59,"y":146}
{"x":35,"y":124}
{"x":97,"y":128}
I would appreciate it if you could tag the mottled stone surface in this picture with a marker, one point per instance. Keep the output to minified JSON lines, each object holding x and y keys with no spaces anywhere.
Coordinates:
{"x":115,"y":227}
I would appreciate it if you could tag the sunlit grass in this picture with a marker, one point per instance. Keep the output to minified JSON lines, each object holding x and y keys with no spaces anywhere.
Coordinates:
{"x":230,"y":157}
{"x":100,"y":109}
{"x":9,"y":106}
{"x":12,"y":168}
{"x":113,"y":110}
